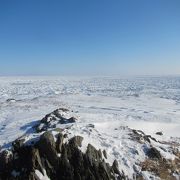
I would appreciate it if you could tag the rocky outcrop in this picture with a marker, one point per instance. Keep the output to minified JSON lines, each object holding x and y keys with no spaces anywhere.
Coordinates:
{"x":141,"y":137}
{"x":162,"y":168}
{"x":5,"y":162}
{"x":51,"y":152}
{"x":57,"y":159}
{"x":159,"y":133}
{"x":51,"y":120}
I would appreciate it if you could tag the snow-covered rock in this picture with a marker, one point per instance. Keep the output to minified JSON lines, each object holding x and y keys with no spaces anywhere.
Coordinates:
{"x":82,"y":150}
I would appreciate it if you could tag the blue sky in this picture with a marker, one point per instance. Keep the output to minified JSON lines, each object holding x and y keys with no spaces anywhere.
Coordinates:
{"x":89,"y":37}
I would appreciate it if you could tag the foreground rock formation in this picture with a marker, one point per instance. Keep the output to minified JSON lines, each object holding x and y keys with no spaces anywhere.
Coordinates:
{"x":55,"y":160}
{"x":54,"y":156}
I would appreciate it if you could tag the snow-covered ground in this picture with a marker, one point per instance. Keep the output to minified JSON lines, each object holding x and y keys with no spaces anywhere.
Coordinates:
{"x":151,"y":104}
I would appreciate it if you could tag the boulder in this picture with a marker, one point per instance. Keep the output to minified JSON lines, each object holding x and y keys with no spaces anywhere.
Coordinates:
{"x":47,"y":148}
{"x":153,"y":153}
{"x":159,"y":133}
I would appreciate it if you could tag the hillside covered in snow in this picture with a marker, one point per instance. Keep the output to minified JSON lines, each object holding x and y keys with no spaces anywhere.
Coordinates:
{"x":133,"y":124}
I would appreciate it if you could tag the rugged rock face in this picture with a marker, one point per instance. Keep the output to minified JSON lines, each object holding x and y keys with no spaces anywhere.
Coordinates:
{"x":58,"y":160}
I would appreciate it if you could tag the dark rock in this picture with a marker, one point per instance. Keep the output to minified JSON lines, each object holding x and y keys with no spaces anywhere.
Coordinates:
{"x":72,"y":164}
{"x":47,"y":148}
{"x":104,"y":171}
{"x":105,"y":153}
{"x":76,"y":141}
{"x":93,"y":154}
{"x":141,"y":137}
{"x":5,"y":160}
{"x":153,"y":153}
{"x":153,"y":139}
{"x":51,"y":120}
{"x":28,"y":158}
{"x":147,"y":138}
{"x":65,"y":135}
{"x":36,"y":160}
{"x":91,"y":125}
{"x":59,"y":142}
{"x":65,"y":170}
{"x":18,"y":143}
{"x":159,"y":133}
{"x":25,"y":160}
{"x":32,"y":176}
{"x":71,"y":120}
{"x":11,"y":100}
{"x":115,"y":167}
{"x":100,"y":153}
{"x":140,"y":131}
{"x":62,"y":109}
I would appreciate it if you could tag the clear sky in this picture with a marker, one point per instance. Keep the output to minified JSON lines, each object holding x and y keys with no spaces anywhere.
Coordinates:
{"x":89,"y":37}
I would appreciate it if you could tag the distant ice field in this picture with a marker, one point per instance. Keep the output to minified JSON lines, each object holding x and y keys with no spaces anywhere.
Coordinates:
{"x":148,"y":103}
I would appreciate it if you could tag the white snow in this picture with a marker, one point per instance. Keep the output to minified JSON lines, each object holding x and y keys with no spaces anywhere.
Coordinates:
{"x":150,"y":104}
{"x":41,"y":176}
